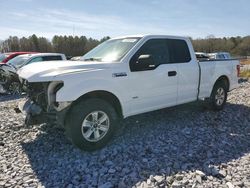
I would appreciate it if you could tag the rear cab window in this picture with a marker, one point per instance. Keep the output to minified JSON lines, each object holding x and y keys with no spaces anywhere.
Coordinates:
{"x":179,"y":51}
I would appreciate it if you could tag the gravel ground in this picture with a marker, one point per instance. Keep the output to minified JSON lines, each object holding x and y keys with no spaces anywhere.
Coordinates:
{"x":186,"y":146}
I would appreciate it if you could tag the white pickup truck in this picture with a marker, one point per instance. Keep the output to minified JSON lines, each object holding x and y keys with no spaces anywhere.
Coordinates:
{"x":122,"y":77}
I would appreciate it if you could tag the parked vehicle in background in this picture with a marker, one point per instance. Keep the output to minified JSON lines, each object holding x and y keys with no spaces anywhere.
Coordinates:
{"x":76,"y":58}
{"x":8,"y":76}
{"x":23,"y":60}
{"x":201,"y":56}
{"x":68,"y":57}
{"x":11,"y":55}
{"x":122,"y":77}
{"x":219,"y":55}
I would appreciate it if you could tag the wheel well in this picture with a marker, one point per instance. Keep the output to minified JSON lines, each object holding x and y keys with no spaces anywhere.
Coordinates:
{"x":225,"y":80}
{"x":107,"y":96}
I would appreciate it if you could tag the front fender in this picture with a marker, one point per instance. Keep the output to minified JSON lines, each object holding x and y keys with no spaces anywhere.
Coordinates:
{"x":74,"y":90}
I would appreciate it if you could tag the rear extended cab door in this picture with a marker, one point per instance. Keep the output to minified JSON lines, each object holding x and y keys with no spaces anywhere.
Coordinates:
{"x":188,"y":72}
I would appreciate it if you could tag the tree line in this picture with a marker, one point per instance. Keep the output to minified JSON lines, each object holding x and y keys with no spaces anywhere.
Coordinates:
{"x":237,"y":46}
{"x":77,"y":46}
{"x":68,"y":45}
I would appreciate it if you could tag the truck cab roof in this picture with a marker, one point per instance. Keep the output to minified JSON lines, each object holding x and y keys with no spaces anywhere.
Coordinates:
{"x":150,"y":36}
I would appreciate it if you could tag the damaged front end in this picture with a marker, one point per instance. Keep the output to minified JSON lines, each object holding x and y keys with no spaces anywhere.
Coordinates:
{"x":41,"y":105}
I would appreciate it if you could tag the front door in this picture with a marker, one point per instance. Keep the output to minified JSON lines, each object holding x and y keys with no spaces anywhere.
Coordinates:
{"x":153,"y":85}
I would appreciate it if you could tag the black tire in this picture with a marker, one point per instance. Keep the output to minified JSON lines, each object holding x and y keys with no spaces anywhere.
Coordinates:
{"x":15,"y":88}
{"x":214,"y":104}
{"x":79,"y":112}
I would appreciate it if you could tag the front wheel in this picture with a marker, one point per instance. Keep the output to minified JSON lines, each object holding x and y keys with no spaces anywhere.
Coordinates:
{"x":91,"y":124}
{"x":218,"y":97}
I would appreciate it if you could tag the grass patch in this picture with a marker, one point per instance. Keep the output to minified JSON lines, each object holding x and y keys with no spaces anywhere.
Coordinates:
{"x":245,"y":74}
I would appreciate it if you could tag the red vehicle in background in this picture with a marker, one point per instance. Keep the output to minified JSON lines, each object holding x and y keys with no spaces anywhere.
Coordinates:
{"x":8,"y":56}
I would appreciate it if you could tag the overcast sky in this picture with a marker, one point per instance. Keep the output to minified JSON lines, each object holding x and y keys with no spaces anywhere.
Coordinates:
{"x":98,"y":18}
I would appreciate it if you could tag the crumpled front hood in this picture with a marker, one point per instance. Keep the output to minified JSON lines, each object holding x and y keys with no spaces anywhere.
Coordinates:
{"x":50,"y":70}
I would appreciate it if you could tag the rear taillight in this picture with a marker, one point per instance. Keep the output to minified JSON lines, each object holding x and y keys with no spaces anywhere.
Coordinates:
{"x":238,"y":70}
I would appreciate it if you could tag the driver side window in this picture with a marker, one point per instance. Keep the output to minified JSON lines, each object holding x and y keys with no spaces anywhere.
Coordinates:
{"x":156,"y":49}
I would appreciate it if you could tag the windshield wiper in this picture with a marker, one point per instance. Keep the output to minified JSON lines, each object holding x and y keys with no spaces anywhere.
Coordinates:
{"x":92,"y":59}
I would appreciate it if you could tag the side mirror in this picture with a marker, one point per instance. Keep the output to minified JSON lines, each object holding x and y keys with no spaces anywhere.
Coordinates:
{"x":145,"y":62}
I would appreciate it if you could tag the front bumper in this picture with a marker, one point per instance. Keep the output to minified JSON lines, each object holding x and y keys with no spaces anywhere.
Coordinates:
{"x":35,"y":114}
{"x":29,"y":107}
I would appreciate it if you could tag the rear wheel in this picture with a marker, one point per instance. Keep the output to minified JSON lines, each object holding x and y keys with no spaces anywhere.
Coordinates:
{"x":218,"y":97}
{"x":91,"y":124}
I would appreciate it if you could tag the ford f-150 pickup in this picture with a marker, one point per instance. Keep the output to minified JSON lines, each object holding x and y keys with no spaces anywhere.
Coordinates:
{"x":119,"y":78}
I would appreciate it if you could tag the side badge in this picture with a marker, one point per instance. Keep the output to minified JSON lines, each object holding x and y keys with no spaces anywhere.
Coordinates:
{"x":120,"y":74}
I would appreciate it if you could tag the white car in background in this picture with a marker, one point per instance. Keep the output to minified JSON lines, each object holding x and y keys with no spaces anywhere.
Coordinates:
{"x":76,"y":58}
{"x":16,"y":63}
{"x":27,"y":59}
{"x":219,"y":55}
{"x":201,"y":56}
{"x":8,"y":77}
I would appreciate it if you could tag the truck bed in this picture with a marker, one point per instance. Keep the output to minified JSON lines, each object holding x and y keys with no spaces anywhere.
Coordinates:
{"x":212,"y":69}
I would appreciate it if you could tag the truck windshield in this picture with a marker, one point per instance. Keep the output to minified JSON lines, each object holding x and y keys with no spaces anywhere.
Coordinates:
{"x":111,"y":50}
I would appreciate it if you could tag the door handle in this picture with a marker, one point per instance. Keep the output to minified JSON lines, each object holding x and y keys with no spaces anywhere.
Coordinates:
{"x":172,"y":73}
